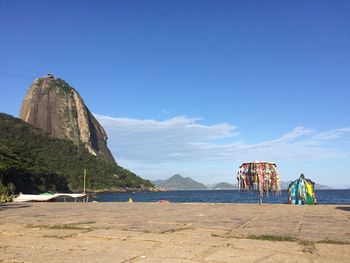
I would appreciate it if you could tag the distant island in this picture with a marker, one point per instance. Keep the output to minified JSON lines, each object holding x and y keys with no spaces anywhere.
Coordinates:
{"x":178,"y":182}
{"x":224,"y":186}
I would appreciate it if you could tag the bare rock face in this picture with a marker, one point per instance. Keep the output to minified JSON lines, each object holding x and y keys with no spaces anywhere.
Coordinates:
{"x":53,"y":106}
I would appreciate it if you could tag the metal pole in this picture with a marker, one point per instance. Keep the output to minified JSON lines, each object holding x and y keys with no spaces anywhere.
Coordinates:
{"x":260,"y":198}
{"x":84,"y":181}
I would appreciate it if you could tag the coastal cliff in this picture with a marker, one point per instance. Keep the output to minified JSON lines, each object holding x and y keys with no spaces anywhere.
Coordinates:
{"x":53,"y":106}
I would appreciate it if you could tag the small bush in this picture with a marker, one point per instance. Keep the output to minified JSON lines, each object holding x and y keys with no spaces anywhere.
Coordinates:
{"x":6,"y":193}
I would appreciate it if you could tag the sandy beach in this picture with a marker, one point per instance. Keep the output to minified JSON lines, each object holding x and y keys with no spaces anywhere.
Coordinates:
{"x":152,"y":232}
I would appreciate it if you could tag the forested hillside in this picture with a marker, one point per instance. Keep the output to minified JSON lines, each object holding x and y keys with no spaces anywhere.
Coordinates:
{"x":36,"y":162}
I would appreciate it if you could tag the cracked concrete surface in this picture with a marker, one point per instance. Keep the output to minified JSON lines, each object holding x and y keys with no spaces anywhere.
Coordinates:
{"x":152,"y":232}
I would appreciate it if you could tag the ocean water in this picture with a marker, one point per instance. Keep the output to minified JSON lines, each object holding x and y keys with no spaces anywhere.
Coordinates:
{"x":220,"y":196}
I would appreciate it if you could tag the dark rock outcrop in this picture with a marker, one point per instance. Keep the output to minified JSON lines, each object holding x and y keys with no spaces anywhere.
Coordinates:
{"x":55,"y":107}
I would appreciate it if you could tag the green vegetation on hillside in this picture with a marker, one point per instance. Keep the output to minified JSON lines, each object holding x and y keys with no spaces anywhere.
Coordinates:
{"x":36,"y":162}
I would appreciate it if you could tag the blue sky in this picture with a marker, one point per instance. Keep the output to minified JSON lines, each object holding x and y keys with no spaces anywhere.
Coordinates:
{"x":195,"y":87}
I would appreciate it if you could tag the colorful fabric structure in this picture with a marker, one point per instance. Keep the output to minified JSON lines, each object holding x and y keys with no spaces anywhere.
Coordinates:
{"x":261,"y":176}
{"x":301,"y":191}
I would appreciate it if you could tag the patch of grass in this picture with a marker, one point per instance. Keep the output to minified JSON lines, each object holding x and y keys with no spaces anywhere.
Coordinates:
{"x":58,"y":227}
{"x":58,"y":236}
{"x":173,"y":230}
{"x":257,"y":237}
{"x":82,"y":223}
{"x":334,"y":242}
{"x":272,"y":238}
{"x":73,"y":226}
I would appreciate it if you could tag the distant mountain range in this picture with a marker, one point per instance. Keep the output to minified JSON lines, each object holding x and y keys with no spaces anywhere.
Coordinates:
{"x":177,"y":182}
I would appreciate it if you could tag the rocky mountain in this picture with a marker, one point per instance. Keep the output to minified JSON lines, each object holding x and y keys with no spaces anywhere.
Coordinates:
{"x":177,"y":182}
{"x":53,"y":106}
{"x":224,"y":186}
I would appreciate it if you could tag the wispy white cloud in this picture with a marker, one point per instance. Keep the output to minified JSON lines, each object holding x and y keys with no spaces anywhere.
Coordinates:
{"x":185,"y":139}
{"x":330,"y":135}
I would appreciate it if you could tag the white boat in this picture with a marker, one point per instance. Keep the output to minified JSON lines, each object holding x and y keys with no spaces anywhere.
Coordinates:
{"x":47,"y":197}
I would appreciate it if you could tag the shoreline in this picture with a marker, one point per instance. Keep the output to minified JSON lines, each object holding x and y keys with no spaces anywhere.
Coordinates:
{"x":124,"y":190}
{"x":328,"y":197}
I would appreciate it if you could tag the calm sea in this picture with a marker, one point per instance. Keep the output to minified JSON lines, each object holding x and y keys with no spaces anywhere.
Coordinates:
{"x":220,"y":196}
